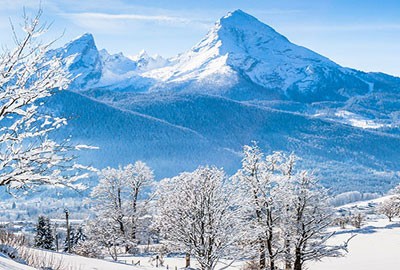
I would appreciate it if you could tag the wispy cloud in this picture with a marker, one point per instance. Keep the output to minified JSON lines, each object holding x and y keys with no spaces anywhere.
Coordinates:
{"x":347,"y":27}
{"x":107,"y":21}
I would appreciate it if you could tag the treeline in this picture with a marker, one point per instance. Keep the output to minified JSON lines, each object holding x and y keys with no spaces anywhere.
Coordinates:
{"x":268,"y":213}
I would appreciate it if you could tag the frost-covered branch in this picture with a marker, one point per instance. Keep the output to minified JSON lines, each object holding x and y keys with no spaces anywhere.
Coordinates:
{"x":28,"y":156}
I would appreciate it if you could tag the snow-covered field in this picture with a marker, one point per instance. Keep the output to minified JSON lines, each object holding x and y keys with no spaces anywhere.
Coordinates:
{"x":376,"y":246}
{"x":8,"y":264}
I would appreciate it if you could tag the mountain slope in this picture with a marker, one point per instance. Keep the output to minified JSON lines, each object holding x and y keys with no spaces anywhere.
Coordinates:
{"x":242,"y":82}
{"x":347,"y":158}
{"x":125,"y":136}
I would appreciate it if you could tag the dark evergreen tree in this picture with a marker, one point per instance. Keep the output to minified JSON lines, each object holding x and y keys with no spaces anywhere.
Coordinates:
{"x":44,"y":235}
{"x":76,"y":236}
{"x":71,"y":240}
{"x":79,"y":236}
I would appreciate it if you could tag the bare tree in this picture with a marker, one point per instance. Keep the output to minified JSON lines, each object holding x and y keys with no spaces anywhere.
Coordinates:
{"x":28,"y":156}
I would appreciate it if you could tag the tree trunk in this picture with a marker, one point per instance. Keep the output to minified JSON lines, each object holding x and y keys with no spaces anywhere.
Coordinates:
{"x":270,"y":251}
{"x":115,"y":258}
{"x":187,"y":260}
{"x":288,"y":263}
{"x":262,"y":256}
{"x":134,"y":213}
{"x":68,"y":231}
{"x":297,"y":261}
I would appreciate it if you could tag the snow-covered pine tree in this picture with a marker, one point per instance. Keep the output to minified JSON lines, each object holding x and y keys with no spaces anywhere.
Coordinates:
{"x":196,"y":211}
{"x":27,"y":154}
{"x":44,"y":235}
{"x":79,"y":236}
{"x":76,"y":236}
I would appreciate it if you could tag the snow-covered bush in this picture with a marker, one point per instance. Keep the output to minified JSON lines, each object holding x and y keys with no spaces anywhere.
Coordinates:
{"x":390,"y":207}
{"x":88,"y":248}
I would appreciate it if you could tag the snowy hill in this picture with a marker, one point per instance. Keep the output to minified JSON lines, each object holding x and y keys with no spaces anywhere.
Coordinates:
{"x":244,"y":81}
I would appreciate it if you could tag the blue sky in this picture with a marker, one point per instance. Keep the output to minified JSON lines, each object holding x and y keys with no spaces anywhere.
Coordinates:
{"x":359,"y":34}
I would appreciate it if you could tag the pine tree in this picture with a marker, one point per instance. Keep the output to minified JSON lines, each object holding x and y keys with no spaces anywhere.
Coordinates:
{"x":76,"y":236}
{"x":44,"y":235}
{"x":71,"y":241}
{"x":79,"y":236}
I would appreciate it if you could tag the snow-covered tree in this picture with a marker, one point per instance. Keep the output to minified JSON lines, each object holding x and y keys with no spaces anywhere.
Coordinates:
{"x":44,"y":234}
{"x":102,"y":234}
{"x":285,"y":213}
{"x":310,"y":216}
{"x":357,"y":219}
{"x":28,"y":156}
{"x":138,"y":179}
{"x":259,"y":182}
{"x":390,"y":207}
{"x":76,"y":236}
{"x":121,"y":197}
{"x":197,"y":212}
{"x":107,"y":197}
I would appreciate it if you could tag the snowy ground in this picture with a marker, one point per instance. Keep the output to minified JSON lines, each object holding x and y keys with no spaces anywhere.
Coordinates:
{"x":8,"y":264}
{"x":375,"y":246}
{"x":177,"y":263}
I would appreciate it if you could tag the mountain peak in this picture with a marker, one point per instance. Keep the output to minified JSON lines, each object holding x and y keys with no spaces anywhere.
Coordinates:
{"x":239,"y":23}
{"x":86,"y":39}
{"x":238,"y":15}
{"x":240,"y":48}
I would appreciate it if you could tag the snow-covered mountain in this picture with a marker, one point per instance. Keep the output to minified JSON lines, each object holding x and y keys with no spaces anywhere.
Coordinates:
{"x":82,"y":59}
{"x":247,"y":60}
{"x":242,"y":82}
